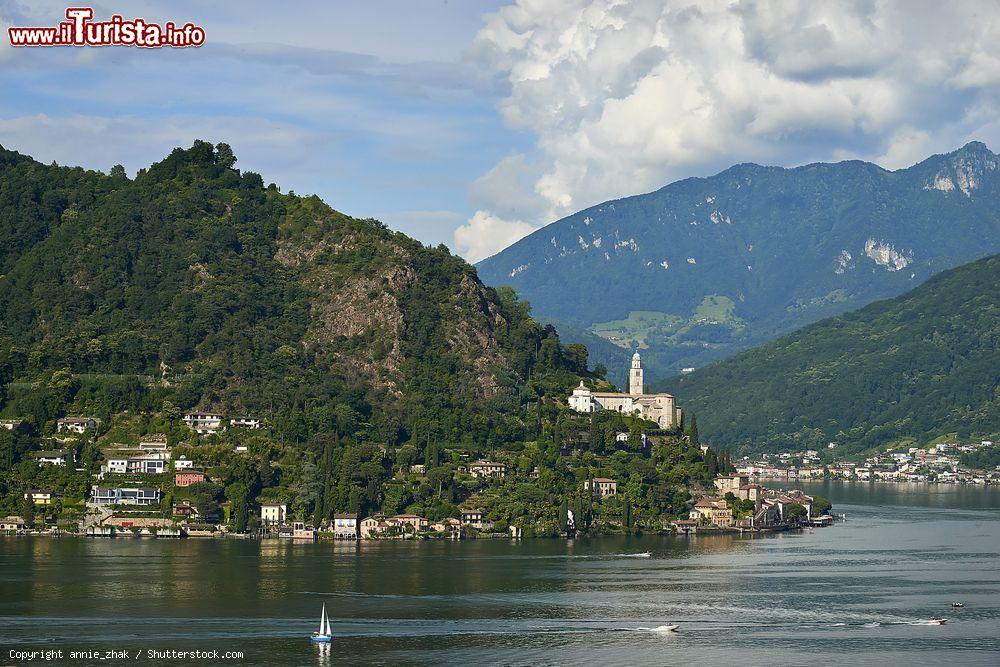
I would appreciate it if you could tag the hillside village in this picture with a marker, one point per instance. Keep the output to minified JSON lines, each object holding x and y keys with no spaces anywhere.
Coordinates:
{"x":604,"y":469}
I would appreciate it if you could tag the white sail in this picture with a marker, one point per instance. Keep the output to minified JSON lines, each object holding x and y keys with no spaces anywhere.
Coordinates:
{"x":322,"y":619}
{"x":326,"y":630}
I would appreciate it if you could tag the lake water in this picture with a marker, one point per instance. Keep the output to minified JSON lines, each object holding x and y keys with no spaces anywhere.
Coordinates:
{"x":852,"y":594}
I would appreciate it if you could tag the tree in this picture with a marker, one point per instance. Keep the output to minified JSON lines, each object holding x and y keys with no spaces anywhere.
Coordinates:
{"x":224,"y":156}
{"x":239,"y":515}
{"x":795,"y":512}
{"x":692,"y":431}
{"x":821,"y":505}
{"x":28,"y":511}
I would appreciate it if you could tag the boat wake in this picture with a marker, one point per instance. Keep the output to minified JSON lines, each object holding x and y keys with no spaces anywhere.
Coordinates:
{"x":668,"y":628}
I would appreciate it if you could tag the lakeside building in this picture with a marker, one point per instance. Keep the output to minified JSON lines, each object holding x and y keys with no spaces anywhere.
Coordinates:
{"x":104,"y":495}
{"x":659,"y":408}
{"x":713,"y":510}
{"x":449,"y":525}
{"x":601,"y":487}
{"x":273,"y":514}
{"x":345,"y":526}
{"x":398,"y":526}
{"x":11,"y":524}
{"x":415,"y":522}
{"x":475,"y":518}
{"x":10,"y":424}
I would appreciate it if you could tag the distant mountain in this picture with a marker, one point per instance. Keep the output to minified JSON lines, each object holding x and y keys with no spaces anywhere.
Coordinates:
{"x":706,"y":267}
{"x":915,"y":367}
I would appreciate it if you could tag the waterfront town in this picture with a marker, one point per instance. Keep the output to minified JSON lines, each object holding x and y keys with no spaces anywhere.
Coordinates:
{"x":610,"y":463}
{"x":940,"y":463}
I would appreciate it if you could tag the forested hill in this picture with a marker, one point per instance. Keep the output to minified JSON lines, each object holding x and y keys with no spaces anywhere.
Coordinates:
{"x":921,"y":365}
{"x":195,"y":286}
{"x":706,"y":267}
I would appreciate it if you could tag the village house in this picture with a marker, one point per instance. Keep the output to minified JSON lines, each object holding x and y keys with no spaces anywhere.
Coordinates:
{"x":11,"y":524}
{"x":752,"y":492}
{"x":103,"y":495}
{"x":418,"y":469}
{"x":601,"y":487}
{"x":183,"y":463}
{"x":727,"y":483}
{"x":475,"y":519}
{"x":371,"y":526}
{"x":184,"y":510}
{"x":204,"y":423}
{"x":345,"y":526}
{"x":188,"y":477}
{"x":54,"y":457}
{"x":487,"y":469}
{"x":714,"y":511}
{"x":273,"y":514}
{"x":659,"y":408}
{"x":781,"y":501}
{"x":149,"y":464}
{"x":39,"y":496}
{"x":10,"y":424}
{"x":450,"y":525}
{"x":245,"y":422}
{"x":76,"y":424}
{"x":410,"y":522}
{"x":300,"y":531}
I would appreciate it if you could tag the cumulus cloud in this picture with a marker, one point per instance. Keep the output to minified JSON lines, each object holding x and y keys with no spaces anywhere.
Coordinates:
{"x":484,"y":233}
{"x":624,"y":97}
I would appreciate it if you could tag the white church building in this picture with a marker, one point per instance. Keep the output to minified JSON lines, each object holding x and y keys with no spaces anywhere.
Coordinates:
{"x":659,"y":408}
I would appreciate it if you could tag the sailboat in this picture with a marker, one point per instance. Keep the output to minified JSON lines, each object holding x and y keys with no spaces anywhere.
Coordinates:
{"x":323,"y":635}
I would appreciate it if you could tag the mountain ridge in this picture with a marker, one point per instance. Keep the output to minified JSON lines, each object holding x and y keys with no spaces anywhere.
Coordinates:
{"x":785,"y":246}
{"x":907,"y":369}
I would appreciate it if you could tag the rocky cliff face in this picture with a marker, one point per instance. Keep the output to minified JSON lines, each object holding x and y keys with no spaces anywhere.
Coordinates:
{"x":250,"y":297}
{"x":784,"y":247}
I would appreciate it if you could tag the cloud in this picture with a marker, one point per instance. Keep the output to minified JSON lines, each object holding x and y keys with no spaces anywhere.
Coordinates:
{"x":485,"y":233}
{"x":624,"y":97}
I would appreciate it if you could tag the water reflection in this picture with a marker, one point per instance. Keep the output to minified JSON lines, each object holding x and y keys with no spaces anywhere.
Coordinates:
{"x":323,"y":653}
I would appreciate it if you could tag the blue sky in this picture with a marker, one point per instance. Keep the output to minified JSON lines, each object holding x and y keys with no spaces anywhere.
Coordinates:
{"x":370,"y":105}
{"x":474,"y":122}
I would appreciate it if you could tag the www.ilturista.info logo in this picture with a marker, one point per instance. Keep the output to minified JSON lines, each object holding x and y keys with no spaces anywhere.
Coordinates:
{"x":80,"y":30}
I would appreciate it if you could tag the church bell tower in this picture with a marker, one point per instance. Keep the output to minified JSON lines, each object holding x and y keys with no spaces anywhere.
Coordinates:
{"x":635,"y":376}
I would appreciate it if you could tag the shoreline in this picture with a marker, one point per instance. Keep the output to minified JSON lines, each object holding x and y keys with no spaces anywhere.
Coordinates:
{"x":702,"y":531}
